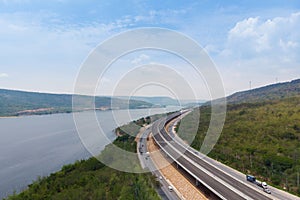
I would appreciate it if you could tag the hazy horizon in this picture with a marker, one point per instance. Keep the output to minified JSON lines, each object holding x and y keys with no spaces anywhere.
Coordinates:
{"x":46,"y":92}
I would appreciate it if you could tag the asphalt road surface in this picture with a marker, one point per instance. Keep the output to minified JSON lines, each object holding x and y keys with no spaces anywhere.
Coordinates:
{"x":147,"y":162}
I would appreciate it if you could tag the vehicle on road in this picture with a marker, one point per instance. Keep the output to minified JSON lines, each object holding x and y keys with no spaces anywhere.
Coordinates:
{"x":170,"y":188}
{"x":147,"y":155}
{"x":141,"y":150}
{"x":251,"y":178}
{"x":261,"y":184}
{"x":267,"y":190}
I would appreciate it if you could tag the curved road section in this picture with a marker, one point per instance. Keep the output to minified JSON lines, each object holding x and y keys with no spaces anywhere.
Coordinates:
{"x":218,"y":181}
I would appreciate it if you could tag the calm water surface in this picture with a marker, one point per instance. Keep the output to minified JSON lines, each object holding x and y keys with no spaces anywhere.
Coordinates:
{"x":36,"y":146}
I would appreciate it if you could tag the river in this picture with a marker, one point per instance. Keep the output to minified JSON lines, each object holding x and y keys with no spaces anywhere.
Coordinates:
{"x":34,"y":146}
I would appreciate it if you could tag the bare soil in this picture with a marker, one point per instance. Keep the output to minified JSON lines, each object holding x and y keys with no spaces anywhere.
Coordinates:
{"x":187,"y":190}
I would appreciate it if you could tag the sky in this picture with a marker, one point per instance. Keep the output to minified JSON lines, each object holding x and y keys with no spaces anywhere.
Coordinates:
{"x":45,"y":43}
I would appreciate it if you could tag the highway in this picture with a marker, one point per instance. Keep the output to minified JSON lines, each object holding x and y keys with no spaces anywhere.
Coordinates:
{"x":277,"y":194}
{"x":146,"y":162}
{"x":218,"y":181}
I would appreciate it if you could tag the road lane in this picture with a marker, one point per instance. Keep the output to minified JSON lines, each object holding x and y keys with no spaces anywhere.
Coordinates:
{"x":147,"y":162}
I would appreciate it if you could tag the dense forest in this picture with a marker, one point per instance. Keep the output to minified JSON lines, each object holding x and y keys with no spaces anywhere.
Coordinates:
{"x":90,"y":179}
{"x":260,"y":138}
{"x":15,"y":103}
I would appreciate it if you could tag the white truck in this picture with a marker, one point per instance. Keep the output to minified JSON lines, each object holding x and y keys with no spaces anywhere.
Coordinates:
{"x":261,"y":184}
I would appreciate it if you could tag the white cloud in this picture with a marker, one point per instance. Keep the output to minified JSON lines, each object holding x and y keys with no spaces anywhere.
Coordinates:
{"x":57,"y":47}
{"x":141,"y":58}
{"x":260,"y":51}
{"x":48,"y":53}
{"x":275,"y":37}
{"x":159,"y":17}
{"x":3,"y":75}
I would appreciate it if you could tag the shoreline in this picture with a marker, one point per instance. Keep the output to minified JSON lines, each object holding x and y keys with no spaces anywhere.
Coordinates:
{"x":114,"y":131}
{"x":25,"y":187}
{"x":70,"y":112}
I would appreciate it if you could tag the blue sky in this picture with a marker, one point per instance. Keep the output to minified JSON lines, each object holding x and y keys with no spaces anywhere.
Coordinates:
{"x":43,"y":43}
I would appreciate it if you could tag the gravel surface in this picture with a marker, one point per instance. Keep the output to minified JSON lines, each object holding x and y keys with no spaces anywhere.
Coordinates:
{"x":183,"y":186}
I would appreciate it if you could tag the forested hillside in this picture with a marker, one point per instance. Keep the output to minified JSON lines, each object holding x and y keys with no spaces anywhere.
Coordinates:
{"x":15,"y":103}
{"x":269,"y":92}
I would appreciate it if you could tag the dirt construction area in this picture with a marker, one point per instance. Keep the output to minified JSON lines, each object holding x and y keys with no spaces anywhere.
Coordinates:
{"x":185,"y":189}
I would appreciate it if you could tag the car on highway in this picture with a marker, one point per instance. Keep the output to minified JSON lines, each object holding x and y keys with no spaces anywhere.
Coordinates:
{"x":170,"y":188}
{"x":267,"y":190}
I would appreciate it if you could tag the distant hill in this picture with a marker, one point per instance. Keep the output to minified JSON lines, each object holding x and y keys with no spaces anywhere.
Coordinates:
{"x":270,"y":92}
{"x":15,"y":103}
{"x":164,"y":101}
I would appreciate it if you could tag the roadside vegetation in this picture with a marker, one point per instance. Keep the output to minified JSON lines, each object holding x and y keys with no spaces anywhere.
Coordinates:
{"x":90,"y":179}
{"x":259,"y":138}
